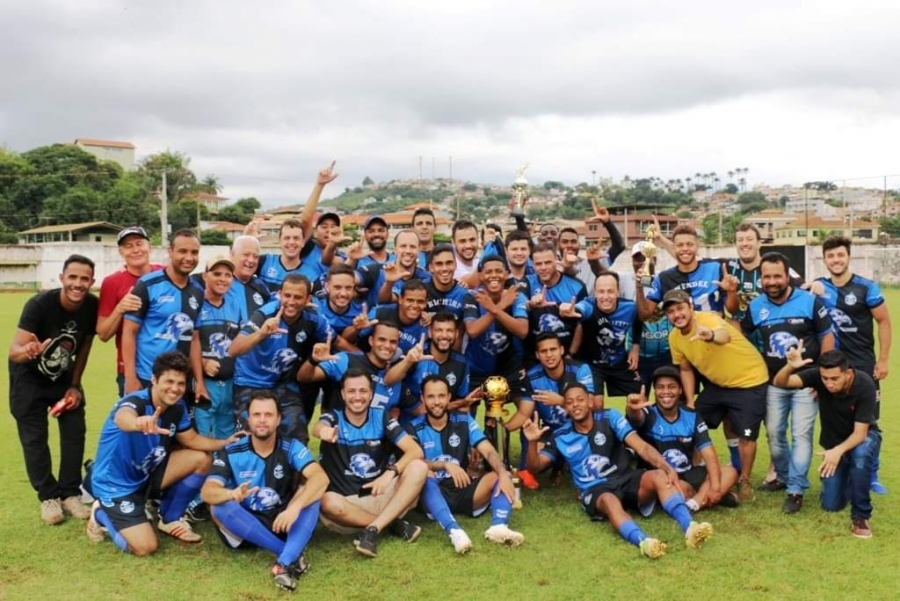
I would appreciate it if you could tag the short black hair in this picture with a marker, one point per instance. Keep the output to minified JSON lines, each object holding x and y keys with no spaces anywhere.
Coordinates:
{"x":608,"y":272}
{"x":430,"y":379}
{"x":171,"y":361}
{"x":573,"y":385}
{"x":423,"y":211}
{"x":76,"y":258}
{"x":832,"y":242}
{"x":183,"y":233}
{"x":834,"y":358}
{"x":518,"y":235}
{"x":443,"y":247}
{"x":444,"y":317}
{"x":776,"y":257}
{"x":546,"y":336}
{"x":298,"y":278}
{"x":411,"y":285}
{"x":462,"y":224}
{"x":568,"y":230}
{"x":264,"y":394}
{"x":492,"y":257}
{"x":356,"y":372}
{"x":340,"y":269}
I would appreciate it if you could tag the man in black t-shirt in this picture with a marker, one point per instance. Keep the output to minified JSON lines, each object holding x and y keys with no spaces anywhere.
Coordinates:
{"x":46,"y":360}
{"x":850,"y":434}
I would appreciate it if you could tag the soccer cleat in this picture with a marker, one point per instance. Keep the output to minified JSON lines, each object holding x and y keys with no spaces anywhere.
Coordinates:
{"x":405,"y":530}
{"x":462,"y":544}
{"x":197,"y":513}
{"x":878,"y":488}
{"x":528,"y":480}
{"x":653,"y":548}
{"x":367,"y":543}
{"x":52,"y":512}
{"x":299,"y":567}
{"x":792,"y":503}
{"x":860,"y":529}
{"x":500,"y":533}
{"x":698,"y":533}
{"x":745,"y":490}
{"x":95,"y":532}
{"x":283,"y":577}
{"x":179,"y":529}
{"x":75,"y":508}
{"x":771,"y":486}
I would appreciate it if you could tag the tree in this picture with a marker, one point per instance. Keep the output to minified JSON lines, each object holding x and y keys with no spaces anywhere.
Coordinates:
{"x":890,"y":226}
{"x":215,"y":238}
{"x":470,"y":187}
{"x":747,"y":198}
{"x":210,"y":184}
{"x":180,"y":180}
{"x":367,"y":181}
{"x":730,"y":188}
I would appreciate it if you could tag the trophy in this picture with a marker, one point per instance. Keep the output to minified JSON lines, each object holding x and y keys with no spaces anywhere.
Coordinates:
{"x":496,"y":394}
{"x":649,"y":250}
{"x":520,"y":189}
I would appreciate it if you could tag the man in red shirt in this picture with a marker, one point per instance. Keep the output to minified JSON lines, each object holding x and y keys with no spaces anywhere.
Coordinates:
{"x":115,"y":291}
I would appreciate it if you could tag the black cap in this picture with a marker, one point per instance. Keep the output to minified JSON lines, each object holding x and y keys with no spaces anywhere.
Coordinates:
{"x":132,"y":231}
{"x":374,"y":219}
{"x":332,"y":216}
{"x":666,"y":371}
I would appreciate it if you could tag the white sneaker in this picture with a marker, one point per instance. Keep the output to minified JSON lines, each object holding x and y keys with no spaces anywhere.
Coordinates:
{"x":181,"y":530}
{"x":461,"y":542}
{"x":503,"y":535}
{"x":52,"y":512}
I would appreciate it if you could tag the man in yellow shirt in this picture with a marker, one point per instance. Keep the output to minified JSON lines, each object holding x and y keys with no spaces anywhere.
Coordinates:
{"x":734,"y":373}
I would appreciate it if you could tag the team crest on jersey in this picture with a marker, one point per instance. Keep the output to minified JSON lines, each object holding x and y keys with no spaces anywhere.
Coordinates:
{"x":599,"y":439}
{"x":850,"y":299}
{"x":271,"y":272}
{"x":300,"y":337}
{"x":257,"y":298}
{"x":57,"y":357}
{"x":264,"y":499}
{"x":548,"y":322}
{"x":677,"y":460}
{"x":453,"y":441}
{"x":281,"y":361}
{"x":763,"y":313}
{"x":192,"y":301}
{"x":278,"y":472}
{"x":126,"y":507}
{"x":218,"y":462}
{"x":596,"y":466}
{"x":451,"y":379}
{"x":780,"y":343}
{"x":362,"y":466}
{"x":177,"y":326}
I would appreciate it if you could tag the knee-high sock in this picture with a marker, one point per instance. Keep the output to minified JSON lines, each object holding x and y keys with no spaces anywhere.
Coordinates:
{"x":678,"y":509}
{"x":242,"y":524}
{"x":500,"y":507}
{"x":119,"y":540}
{"x":176,"y":499}
{"x":734,"y":453}
{"x":524,"y":456}
{"x":436,"y":505}
{"x":632,"y":533}
{"x":299,"y":534}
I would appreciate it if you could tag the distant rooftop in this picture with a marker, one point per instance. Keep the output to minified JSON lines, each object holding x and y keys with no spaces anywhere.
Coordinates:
{"x":107,"y":143}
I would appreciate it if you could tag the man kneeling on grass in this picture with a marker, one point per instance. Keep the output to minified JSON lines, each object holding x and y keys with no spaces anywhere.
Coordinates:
{"x":447,"y":438}
{"x":850,"y":434}
{"x":136,"y":461}
{"x":366,"y":494}
{"x":593,"y":445}
{"x":254,"y":494}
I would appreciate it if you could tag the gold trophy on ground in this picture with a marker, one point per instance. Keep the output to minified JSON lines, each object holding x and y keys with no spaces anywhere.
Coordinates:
{"x":496,"y":394}
{"x":520,"y":190}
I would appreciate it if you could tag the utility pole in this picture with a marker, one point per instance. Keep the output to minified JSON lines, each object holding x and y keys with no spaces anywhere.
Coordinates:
{"x":164,"y":212}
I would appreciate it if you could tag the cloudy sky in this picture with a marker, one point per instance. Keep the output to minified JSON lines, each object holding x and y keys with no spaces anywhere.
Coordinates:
{"x":264,"y":94}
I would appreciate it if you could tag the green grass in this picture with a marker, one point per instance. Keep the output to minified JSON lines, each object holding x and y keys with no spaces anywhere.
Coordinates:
{"x":757,"y":551}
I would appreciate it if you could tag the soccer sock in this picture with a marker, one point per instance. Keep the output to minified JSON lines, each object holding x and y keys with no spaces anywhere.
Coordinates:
{"x":299,"y":534}
{"x":524,"y":456}
{"x":436,"y":505}
{"x":242,"y":524}
{"x":678,"y":509}
{"x":734,"y":451}
{"x":119,"y":540}
{"x":632,"y":533}
{"x":500,"y":507}
{"x":177,"y":497}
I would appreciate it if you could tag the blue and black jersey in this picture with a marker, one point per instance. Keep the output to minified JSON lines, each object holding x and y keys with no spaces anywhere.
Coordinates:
{"x":539,"y":380}
{"x":254,"y":293}
{"x":597,"y":456}
{"x":361,"y":453}
{"x":547,"y":319}
{"x":371,"y":279}
{"x":275,"y":476}
{"x":125,"y":460}
{"x":217,"y":327}
{"x":410,"y":333}
{"x":749,"y":287}
{"x":850,"y":307}
{"x":453,"y":300}
{"x":384,"y":397}
{"x":496,"y":350}
{"x":369,"y":260}
{"x":698,"y":283}
{"x":166,"y":318}
{"x":676,"y":441}
{"x":273,"y":272}
{"x":607,"y":337}
{"x":338,"y":321}
{"x":455,"y":370}
{"x":801,"y":316}
{"x":449,"y":445}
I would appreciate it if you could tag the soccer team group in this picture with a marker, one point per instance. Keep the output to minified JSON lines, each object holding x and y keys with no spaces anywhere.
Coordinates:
{"x":219,"y":374}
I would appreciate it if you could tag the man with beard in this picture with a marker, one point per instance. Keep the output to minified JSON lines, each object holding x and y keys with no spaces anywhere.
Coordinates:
{"x":337,"y":302}
{"x":46,"y":361}
{"x":321,"y":251}
{"x":271,"y":347}
{"x":853,"y":302}
{"x":546,"y":289}
{"x":611,"y":334}
{"x":406,"y":313}
{"x":254,"y":494}
{"x":518,"y":255}
{"x":680,"y":435}
{"x":164,"y":319}
{"x":447,"y":439}
{"x":138,"y":459}
{"x":593,"y":444}
{"x":785,"y":316}
{"x":441,"y":360}
{"x":367,"y":493}
{"x":424,"y":225}
{"x":116,"y":297}
{"x":444,"y":292}
{"x":465,"y":242}
{"x":384,"y":282}
{"x":375,"y":231}
{"x":322,"y":366}
{"x":735,"y":375}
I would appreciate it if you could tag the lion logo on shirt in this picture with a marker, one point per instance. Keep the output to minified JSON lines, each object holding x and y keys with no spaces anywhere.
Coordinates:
{"x":595,"y":467}
{"x":548,"y":322}
{"x":840,"y":319}
{"x":282,"y":360}
{"x":362,"y":465}
{"x":780,"y":343}
{"x":495,"y":343}
{"x":679,"y":462}
{"x":176,"y":328}
{"x":264,"y":499}
{"x":219,"y":344}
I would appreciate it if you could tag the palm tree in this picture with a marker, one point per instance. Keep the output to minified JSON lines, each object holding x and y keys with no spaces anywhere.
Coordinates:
{"x":689,"y":180}
{"x":211,"y":184}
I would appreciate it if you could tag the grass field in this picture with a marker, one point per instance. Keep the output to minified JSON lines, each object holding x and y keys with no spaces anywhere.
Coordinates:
{"x":757,"y":551}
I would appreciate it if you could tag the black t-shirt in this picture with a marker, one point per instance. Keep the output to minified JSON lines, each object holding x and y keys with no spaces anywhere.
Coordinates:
{"x":45,"y":317}
{"x":840,"y":412}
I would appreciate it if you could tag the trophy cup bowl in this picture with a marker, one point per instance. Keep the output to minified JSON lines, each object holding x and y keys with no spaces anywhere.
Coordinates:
{"x":496,"y":393}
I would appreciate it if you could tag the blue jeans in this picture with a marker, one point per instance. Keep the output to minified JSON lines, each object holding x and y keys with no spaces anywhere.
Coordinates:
{"x":791,"y":460}
{"x":217,"y":420}
{"x":851,"y":479}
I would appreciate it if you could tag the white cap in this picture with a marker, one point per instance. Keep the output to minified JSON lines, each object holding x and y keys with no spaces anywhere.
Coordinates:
{"x":638,"y":249}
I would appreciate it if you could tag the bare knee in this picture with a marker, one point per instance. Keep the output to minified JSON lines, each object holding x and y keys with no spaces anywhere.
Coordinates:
{"x":202,"y":462}
{"x":143,"y":547}
{"x":415,"y":470}
{"x":333,"y":505}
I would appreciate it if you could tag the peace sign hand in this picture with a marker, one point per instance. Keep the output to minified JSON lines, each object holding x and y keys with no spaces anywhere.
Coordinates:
{"x":243,"y":491}
{"x":149,"y":424}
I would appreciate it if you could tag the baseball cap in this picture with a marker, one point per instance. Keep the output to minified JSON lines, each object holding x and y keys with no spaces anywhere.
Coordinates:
{"x":666,"y":371}
{"x":638,"y":249}
{"x":132,"y":231}
{"x":674,"y":297}
{"x":329,"y":216}
{"x":374,"y":219}
{"x":219,"y":260}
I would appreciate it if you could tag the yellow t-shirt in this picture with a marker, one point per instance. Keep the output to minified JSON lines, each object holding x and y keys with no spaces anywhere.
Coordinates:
{"x":736,"y":364}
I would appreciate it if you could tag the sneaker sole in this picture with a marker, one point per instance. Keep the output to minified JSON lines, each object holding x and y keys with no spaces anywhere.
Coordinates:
{"x":95,"y":533}
{"x":367,"y":552}
{"x":702,"y":533}
{"x":285,"y":586}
